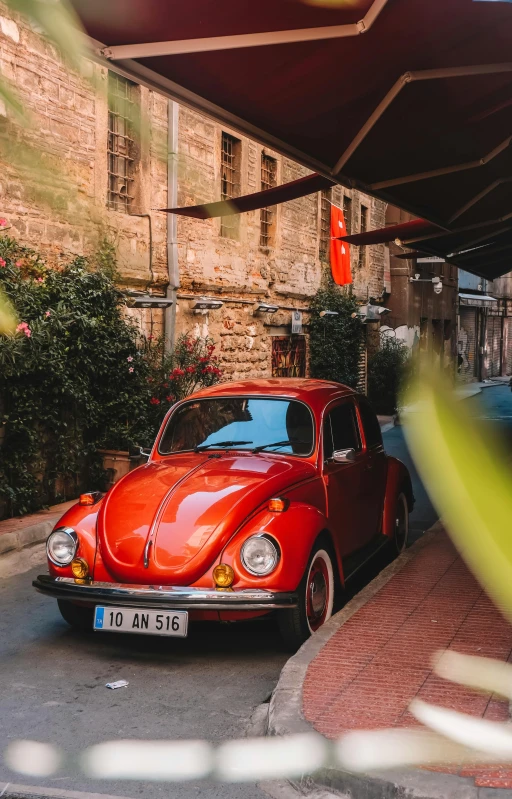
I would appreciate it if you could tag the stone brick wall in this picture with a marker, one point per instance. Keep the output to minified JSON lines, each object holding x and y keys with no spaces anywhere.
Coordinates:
{"x":287,"y":275}
{"x":69,"y":124}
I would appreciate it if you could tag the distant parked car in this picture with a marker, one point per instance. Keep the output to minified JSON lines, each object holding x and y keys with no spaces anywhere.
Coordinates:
{"x":258,"y":496}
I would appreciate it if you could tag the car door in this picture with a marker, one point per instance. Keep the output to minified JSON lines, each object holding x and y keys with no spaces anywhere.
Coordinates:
{"x":375,"y":469}
{"x":344,"y":482}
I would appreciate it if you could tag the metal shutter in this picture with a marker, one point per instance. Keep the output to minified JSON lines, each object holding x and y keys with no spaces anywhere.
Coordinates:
{"x":507,"y":346}
{"x":493,"y":346}
{"x":467,"y":366}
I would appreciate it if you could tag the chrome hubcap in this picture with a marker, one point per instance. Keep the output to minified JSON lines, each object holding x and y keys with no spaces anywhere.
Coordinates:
{"x":318,"y":594}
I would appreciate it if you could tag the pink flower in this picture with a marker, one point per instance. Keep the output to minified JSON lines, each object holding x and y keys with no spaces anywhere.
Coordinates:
{"x":24,"y":328}
{"x":129,"y":359}
{"x":19,"y":263}
{"x":2,"y":262}
{"x":3,"y":222}
{"x":150,"y":338}
{"x":48,"y":313}
{"x":39,"y":279}
{"x":130,"y":369}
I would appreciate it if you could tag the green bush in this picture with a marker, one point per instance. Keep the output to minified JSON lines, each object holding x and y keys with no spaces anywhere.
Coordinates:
{"x":76,"y":377}
{"x":386,"y":371}
{"x":335,"y":342}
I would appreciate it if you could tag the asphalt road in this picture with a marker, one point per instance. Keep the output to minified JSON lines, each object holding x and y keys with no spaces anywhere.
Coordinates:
{"x":52,"y":680}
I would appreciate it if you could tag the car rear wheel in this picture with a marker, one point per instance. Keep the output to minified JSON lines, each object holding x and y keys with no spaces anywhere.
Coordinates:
{"x":77,"y":616}
{"x":316,"y":598}
{"x":401,"y":533}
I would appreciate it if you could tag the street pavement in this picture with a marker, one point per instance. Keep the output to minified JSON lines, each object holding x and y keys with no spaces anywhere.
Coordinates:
{"x":52,"y":680}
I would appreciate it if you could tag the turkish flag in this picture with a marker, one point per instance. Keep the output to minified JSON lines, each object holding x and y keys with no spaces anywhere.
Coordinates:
{"x":340,"y":250}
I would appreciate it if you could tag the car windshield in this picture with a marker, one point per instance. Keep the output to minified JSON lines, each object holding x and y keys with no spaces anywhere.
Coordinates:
{"x":284,"y":426}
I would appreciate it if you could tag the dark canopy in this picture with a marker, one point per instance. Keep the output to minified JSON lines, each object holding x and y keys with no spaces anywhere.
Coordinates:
{"x":408,"y":100}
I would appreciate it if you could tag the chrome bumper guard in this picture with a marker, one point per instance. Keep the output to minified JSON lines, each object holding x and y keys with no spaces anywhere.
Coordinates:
{"x":166,"y":597}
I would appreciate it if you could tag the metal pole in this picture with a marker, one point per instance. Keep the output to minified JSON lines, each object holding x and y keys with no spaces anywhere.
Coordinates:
{"x":172,"y":223}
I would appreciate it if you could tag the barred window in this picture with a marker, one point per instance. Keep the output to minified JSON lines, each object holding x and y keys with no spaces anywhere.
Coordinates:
{"x":121,"y":144}
{"x":230,"y":159}
{"x":364,"y":228}
{"x":267,"y":215}
{"x":347,"y":213}
{"x":325,"y":225}
{"x":288,"y":356}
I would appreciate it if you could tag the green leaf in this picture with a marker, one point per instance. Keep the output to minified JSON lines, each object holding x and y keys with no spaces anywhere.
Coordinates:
{"x":466,"y":473}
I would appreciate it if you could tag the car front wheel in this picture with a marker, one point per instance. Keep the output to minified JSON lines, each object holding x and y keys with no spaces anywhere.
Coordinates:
{"x":316,"y":598}
{"x":77,"y":616}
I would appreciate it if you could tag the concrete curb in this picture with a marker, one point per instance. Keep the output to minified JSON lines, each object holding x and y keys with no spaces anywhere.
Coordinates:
{"x":9,"y":790}
{"x":285,"y":717}
{"x":24,"y":548}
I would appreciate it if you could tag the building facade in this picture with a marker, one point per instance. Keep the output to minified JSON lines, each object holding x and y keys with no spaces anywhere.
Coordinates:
{"x":422,"y":317}
{"x":100,"y":155}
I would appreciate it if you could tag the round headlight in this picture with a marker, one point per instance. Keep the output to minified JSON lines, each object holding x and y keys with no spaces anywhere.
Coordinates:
{"x":259,"y":555}
{"x":61,"y":546}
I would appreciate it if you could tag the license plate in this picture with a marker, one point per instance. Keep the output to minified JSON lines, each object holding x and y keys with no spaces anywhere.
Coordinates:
{"x":134,"y":620}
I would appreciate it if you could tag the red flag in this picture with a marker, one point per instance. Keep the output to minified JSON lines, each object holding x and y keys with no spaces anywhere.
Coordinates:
{"x":340,"y":250}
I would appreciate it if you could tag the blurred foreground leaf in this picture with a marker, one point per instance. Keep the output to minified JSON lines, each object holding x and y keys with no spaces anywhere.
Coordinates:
{"x":467,"y":474}
{"x":8,"y":318}
{"x":58,"y":21}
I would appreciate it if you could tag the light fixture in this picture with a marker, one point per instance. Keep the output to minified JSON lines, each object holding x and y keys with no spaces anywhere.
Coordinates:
{"x":223,"y":575}
{"x":264,"y":307}
{"x":206,"y":304}
{"x":259,"y":555}
{"x":61,"y":546}
{"x":371,"y":313}
{"x":80,"y":568}
{"x":137,"y":299}
{"x":328,"y":313}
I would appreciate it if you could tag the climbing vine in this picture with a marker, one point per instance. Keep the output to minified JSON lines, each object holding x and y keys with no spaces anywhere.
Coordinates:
{"x":335,"y":342}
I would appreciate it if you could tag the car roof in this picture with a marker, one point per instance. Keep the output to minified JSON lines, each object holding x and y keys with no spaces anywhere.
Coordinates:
{"x":313,"y":392}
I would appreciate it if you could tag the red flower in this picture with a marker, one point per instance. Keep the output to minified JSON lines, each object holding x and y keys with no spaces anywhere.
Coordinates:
{"x":176,"y":373}
{"x":170,"y":398}
{"x":154,"y":401}
{"x":203,"y":360}
{"x":2,"y":262}
{"x":191,"y":369}
{"x":166,"y":385}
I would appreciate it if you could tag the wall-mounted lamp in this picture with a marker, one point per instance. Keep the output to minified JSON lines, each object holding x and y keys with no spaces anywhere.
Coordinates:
{"x":264,"y":307}
{"x":140,"y":300}
{"x":371,"y":313}
{"x":206,"y":304}
{"x":328,"y":313}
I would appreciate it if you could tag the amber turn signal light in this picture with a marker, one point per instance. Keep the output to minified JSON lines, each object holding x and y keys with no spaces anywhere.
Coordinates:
{"x":278,"y":505}
{"x":80,"y":568}
{"x":223,"y":575}
{"x":91,"y":498}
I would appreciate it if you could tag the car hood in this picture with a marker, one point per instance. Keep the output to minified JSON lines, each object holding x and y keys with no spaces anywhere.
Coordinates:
{"x":188,"y":506}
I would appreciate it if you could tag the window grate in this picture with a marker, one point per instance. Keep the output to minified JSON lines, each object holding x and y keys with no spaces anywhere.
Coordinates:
{"x":364,"y":228}
{"x":120,"y":149}
{"x":325,"y":225}
{"x":288,"y":356}
{"x":268,"y":181}
{"x":347,"y":214}
{"x":230,"y":181}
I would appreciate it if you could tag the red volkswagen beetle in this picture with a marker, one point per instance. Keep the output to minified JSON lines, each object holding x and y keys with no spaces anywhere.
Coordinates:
{"x":259,"y":496}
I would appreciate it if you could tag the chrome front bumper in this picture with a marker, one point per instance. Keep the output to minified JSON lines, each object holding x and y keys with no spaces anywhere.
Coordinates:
{"x":166,"y":597}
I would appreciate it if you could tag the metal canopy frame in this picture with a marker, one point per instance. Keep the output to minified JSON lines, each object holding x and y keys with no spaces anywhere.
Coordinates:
{"x":238,"y":41}
{"x":123,"y":58}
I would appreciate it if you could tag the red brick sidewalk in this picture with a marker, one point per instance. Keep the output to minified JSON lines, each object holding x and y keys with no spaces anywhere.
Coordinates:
{"x":380,"y":659}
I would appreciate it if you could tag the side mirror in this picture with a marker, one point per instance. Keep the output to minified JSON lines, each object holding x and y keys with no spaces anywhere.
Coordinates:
{"x":145,"y":452}
{"x":344,"y":455}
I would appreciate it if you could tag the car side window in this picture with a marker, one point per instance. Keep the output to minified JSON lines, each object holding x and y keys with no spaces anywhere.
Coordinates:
{"x":341,"y":430}
{"x":371,"y":425}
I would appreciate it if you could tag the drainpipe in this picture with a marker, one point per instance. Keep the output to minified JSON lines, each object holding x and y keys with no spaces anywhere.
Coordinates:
{"x":172,"y":224}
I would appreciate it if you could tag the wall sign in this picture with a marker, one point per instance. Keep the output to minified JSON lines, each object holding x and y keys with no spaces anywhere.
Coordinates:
{"x":296,"y":322}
